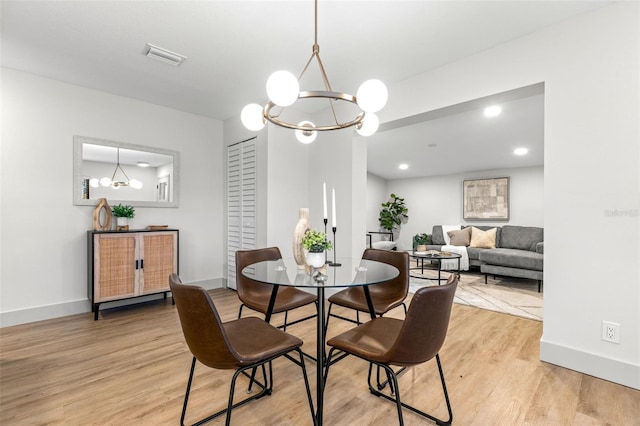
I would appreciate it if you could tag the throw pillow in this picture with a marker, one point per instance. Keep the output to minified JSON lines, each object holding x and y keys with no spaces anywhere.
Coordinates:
{"x":483,"y":239}
{"x":445,"y":232}
{"x":460,"y":238}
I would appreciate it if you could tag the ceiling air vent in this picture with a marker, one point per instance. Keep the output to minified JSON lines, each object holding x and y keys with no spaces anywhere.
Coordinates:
{"x":164,"y":55}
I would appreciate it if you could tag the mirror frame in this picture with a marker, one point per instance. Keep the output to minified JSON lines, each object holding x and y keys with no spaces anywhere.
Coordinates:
{"x":77,"y":172}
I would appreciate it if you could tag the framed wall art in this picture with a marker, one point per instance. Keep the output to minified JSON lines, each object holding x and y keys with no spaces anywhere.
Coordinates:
{"x":485,"y":199}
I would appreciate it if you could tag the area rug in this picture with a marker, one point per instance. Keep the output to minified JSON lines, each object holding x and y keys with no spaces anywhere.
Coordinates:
{"x":514,"y":296}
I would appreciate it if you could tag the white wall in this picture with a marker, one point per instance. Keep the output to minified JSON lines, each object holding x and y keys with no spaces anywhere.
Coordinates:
{"x":43,"y":235}
{"x":438,"y":200}
{"x":377,"y":193}
{"x":590,"y":66}
{"x":288,"y":188}
{"x":335,"y":158}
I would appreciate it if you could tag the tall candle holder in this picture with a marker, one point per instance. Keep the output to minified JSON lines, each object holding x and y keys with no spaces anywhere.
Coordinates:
{"x":334,"y":263}
{"x":325,"y":237}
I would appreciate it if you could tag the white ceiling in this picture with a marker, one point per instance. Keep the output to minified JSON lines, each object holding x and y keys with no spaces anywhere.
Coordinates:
{"x":233,"y":46}
{"x":125,"y":156}
{"x":460,"y":138}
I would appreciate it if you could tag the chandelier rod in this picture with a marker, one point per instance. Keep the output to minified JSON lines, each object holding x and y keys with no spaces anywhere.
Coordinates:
{"x":316,"y":53}
{"x":315,"y":40}
{"x":118,"y":166}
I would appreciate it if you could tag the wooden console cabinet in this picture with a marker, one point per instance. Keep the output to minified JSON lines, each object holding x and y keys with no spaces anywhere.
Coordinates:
{"x":123,"y":265}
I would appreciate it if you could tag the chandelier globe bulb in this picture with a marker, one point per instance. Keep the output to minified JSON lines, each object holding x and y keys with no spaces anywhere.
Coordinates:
{"x":283,"y":88}
{"x":94,"y":182}
{"x":369,"y":125}
{"x":372,"y":95}
{"x":105,"y":181}
{"x":135,"y":184}
{"x":252,"y":117}
{"x":306,"y":136}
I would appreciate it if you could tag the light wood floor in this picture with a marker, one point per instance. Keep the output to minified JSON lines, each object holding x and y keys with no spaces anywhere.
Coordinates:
{"x":131,"y":368}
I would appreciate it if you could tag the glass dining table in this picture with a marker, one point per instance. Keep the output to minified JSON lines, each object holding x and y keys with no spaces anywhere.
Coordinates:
{"x":352,"y":272}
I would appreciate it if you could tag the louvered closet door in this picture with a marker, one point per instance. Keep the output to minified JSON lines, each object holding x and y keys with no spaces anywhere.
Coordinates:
{"x":241,"y":202}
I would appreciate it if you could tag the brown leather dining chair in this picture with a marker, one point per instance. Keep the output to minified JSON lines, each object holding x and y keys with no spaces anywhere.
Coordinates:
{"x":256,"y":295}
{"x":385,"y":296}
{"x":418,"y":338}
{"x":242,"y":344}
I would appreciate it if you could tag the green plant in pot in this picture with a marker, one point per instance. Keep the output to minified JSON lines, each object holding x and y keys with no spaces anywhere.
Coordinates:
{"x":420,"y":241}
{"x":316,"y":243}
{"x":393,"y":213}
{"x":123,"y":213}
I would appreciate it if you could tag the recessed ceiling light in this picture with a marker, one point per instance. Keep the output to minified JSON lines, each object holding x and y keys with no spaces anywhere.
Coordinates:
{"x":403,"y":166}
{"x":520,"y":151}
{"x":143,"y":164}
{"x":492,"y":111}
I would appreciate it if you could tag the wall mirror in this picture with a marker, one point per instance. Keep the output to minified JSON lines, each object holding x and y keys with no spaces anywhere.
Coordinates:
{"x":124,"y":173}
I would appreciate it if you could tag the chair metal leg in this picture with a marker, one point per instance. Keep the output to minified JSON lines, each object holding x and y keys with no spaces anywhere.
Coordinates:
{"x":240,"y":310}
{"x":306,"y":379}
{"x":381,"y":385}
{"x":266,"y":386}
{"x":444,"y":390}
{"x":186,"y":395}
{"x":328,"y":363}
{"x":251,"y":380}
{"x":394,"y":380}
{"x":326,"y":323}
{"x":266,"y":390}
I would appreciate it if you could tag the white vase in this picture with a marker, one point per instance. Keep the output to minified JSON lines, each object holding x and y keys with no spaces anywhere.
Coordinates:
{"x":301,"y":227}
{"x":315,"y":260}
{"x":122,"y":223}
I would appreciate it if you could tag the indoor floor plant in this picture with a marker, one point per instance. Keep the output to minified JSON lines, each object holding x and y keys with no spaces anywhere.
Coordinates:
{"x":393,"y":213}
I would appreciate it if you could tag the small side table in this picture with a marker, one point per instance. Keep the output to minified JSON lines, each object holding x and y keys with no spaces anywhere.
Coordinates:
{"x":420,"y":257}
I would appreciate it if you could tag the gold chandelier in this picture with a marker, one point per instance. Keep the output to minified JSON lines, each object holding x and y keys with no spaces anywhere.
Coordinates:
{"x":115,"y":184}
{"x":283,"y":90}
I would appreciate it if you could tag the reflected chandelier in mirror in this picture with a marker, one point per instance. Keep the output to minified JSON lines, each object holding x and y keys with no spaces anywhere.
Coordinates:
{"x":124,"y":173}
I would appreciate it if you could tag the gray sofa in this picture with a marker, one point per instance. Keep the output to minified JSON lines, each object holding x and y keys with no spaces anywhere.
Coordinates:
{"x":518,"y":253}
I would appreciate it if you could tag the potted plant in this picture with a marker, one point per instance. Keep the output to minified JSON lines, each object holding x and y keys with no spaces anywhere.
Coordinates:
{"x":316,"y":243}
{"x":420,"y":242}
{"x":393,"y":213}
{"x":123,"y":213}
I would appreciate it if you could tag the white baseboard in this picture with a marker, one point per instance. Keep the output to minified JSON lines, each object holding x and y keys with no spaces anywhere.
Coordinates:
{"x":613,"y":370}
{"x":40,"y":313}
{"x":211,"y":284}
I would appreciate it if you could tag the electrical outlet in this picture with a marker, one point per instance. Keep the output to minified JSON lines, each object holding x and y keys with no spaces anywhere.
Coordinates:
{"x":610,"y":332}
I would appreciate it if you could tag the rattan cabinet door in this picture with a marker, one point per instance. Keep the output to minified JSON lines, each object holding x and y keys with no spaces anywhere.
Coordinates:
{"x":159,"y":252}
{"x":115,"y":272}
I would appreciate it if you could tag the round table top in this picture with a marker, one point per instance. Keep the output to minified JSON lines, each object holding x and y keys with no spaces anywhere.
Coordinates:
{"x":433,"y":254}
{"x":353,"y":272}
